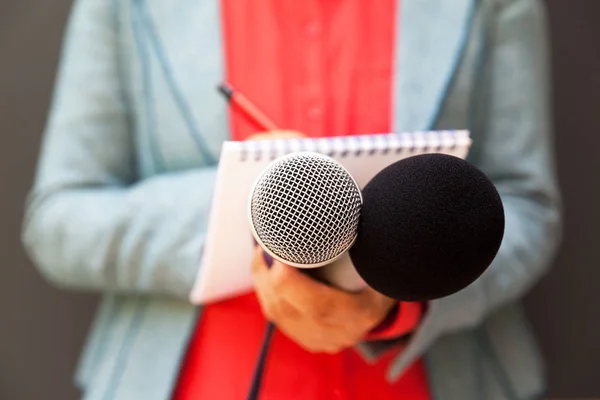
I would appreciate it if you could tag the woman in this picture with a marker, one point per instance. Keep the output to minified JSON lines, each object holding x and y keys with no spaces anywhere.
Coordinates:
{"x":128,"y":163}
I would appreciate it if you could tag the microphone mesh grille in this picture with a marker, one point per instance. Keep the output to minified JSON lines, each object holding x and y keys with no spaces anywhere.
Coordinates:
{"x":305,"y":209}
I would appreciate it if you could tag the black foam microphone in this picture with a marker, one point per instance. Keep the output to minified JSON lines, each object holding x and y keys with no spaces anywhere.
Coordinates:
{"x":430,"y":225}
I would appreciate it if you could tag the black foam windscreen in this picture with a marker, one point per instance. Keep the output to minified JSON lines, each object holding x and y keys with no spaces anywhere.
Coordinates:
{"x":430,"y":225}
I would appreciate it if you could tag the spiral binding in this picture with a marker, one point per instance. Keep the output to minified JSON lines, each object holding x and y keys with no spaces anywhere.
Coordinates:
{"x":356,"y":146}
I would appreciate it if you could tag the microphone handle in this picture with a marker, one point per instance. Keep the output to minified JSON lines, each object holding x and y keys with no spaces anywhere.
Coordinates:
{"x":340,"y":274}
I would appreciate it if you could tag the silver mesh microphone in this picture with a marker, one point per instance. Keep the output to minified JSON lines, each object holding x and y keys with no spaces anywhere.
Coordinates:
{"x":304,"y":211}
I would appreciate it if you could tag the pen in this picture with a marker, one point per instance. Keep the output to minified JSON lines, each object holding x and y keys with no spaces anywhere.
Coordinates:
{"x":246,"y":107}
{"x":243,"y":104}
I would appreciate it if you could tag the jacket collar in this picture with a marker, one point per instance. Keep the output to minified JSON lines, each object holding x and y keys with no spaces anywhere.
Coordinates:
{"x":431,"y":39}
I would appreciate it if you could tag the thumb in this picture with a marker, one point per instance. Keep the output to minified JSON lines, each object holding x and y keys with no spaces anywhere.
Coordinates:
{"x":279,"y":134}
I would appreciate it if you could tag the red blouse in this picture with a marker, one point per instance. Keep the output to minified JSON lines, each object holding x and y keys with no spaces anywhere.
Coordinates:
{"x":322,"y":67}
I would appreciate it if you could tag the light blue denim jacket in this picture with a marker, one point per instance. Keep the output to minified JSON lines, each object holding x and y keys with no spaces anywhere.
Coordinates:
{"x":128,"y":161}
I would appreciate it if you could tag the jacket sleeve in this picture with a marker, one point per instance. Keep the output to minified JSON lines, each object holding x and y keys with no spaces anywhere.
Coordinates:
{"x":89,"y":222}
{"x":514,"y":148}
{"x":516,"y":151}
{"x":400,"y":321}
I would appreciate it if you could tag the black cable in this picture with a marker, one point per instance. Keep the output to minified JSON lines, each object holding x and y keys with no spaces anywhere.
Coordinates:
{"x":260,"y":364}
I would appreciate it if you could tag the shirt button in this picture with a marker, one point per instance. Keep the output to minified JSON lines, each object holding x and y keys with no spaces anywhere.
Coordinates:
{"x":315,"y":113}
{"x":313,"y":30}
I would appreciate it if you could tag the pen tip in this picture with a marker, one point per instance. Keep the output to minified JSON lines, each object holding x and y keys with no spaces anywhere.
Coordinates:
{"x":226,"y":90}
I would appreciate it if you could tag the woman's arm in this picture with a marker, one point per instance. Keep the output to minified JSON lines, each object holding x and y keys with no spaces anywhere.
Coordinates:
{"x":514,"y":148}
{"x":88,"y":222}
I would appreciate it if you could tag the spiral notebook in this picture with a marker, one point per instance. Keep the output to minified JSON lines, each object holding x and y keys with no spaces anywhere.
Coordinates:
{"x":224,"y":271}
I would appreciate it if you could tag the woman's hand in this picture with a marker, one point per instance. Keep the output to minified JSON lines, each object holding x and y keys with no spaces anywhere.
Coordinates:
{"x":318,"y":317}
{"x":281,"y":134}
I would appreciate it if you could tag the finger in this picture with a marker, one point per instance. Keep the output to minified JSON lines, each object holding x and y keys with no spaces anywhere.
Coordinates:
{"x":258,"y":264}
{"x":273,"y":306}
{"x":279,"y":134}
{"x":308,"y":295}
{"x":316,"y":337}
{"x":332,"y":349}
{"x":263,"y":289}
{"x":266,"y":306}
{"x":279,"y":310}
{"x":328,"y":346}
{"x":289,"y":134}
{"x":295,"y":283}
{"x":282,"y":275}
{"x":304,"y":334}
{"x":373,"y":305}
{"x":261,"y":136}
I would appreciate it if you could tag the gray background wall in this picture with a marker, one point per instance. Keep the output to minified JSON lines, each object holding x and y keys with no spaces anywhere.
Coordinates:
{"x":42,"y":329}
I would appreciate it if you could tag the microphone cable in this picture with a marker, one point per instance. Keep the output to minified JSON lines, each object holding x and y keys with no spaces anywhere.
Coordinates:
{"x":264,"y":349}
{"x":261,"y":362}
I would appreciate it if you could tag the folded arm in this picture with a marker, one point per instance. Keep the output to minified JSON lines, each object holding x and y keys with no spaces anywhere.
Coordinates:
{"x":513,"y":146}
{"x":90,"y":223}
